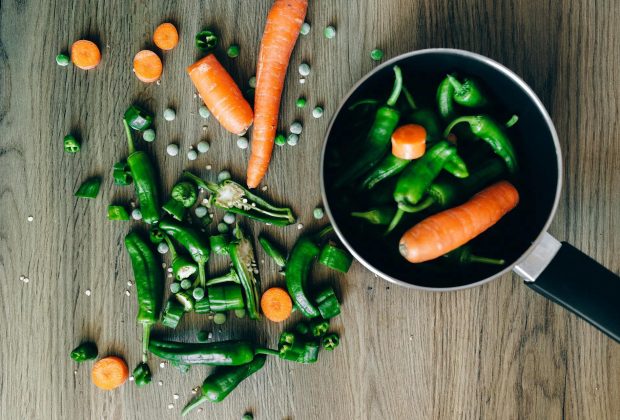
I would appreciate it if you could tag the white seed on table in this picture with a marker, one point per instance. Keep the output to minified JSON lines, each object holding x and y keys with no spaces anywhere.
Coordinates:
{"x":162,"y":248}
{"x":203,"y":147}
{"x":205,"y":201}
{"x":131,"y":378}
{"x":22,"y":277}
{"x":26,"y":280}
{"x":192,"y":155}
{"x":87,"y":292}
{"x":169,"y":114}
{"x":175,"y":396}
{"x":302,"y":81}
{"x":172,"y":149}
{"x":300,"y":226}
{"x":200,"y":409}
{"x":129,"y":283}
{"x":160,"y":383}
{"x":163,"y":265}
{"x":30,"y":218}
{"x":170,"y":406}
{"x":127,"y":293}
{"x":169,"y":269}
{"x":223,"y":176}
{"x":158,"y":82}
{"x":169,"y":275}
{"x":204,"y":128}
{"x":304,"y":69}
{"x":243,"y":143}
{"x":162,"y":365}
{"x":75,"y":372}
{"x":264,"y":188}
{"x":208,"y":167}
{"x":136,"y":214}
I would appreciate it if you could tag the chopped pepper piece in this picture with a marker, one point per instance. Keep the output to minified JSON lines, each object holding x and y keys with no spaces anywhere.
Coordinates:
{"x":298,"y":349}
{"x":327,"y":303}
{"x":117,"y":213}
{"x":89,"y":188}
{"x":138,"y":118}
{"x":330,"y":341}
{"x":85,"y":351}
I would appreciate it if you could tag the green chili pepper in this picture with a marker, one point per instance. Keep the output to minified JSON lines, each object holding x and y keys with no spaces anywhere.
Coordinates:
{"x":468,"y":93}
{"x":377,"y":216}
{"x":485,"y":128}
{"x":244,"y":262}
{"x":193,"y":242}
{"x":182,"y":267}
{"x":175,"y":208}
{"x":85,"y":351}
{"x":156,"y":235}
{"x":219,"y":244}
{"x":272,"y":250}
{"x":71,"y":144}
{"x":121,"y":173}
{"x":298,"y":349}
{"x":302,"y":328}
{"x":89,"y":188}
{"x":186,"y":299}
{"x":142,"y":375}
{"x":388,"y":167}
{"x":225,"y":297}
{"x":327,"y":302}
{"x":138,"y":118}
{"x":117,"y":213}
{"x":230,"y":277}
{"x":223,"y":381}
{"x":429,"y":120}
{"x":318,"y":328}
{"x":330,"y":341}
{"x":223,"y":353}
{"x":149,"y":282}
{"x":445,"y":101}
{"x":297,"y":269}
{"x":144,"y":180}
{"x":464,"y":255}
{"x":231,"y":196}
{"x":186,"y":193}
{"x":335,"y":258}
{"x":173,"y":312}
{"x":206,"y":40}
{"x":456,"y":166}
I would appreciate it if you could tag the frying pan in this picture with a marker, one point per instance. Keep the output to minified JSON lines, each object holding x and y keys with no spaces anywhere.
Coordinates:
{"x":552,"y":268}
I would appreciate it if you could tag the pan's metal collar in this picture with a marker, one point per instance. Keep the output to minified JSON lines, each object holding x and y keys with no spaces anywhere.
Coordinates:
{"x":540,"y":257}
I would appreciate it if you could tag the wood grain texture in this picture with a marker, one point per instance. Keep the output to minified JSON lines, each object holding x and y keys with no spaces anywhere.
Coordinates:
{"x":495,"y":352}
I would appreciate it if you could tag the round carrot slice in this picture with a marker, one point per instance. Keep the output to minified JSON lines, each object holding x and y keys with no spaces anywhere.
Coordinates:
{"x":147,"y":66}
{"x":276,"y":304}
{"x":166,"y":36}
{"x":85,"y":54}
{"x":409,"y":141}
{"x":110,"y":372}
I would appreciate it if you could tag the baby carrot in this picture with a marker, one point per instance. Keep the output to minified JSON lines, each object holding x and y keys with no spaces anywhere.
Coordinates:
{"x":445,"y":231}
{"x":147,"y":66}
{"x":109,"y":373}
{"x":276,"y":304}
{"x":166,"y":36}
{"x":409,"y":141}
{"x":221,"y":94}
{"x":281,"y":31}
{"x":85,"y":54}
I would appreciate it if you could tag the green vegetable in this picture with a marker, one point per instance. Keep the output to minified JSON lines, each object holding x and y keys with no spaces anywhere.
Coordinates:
{"x":186,"y":193}
{"x":121,"y":173}
{"x":330,"y":341}
{"x":468,"y":93}
{"x":445,"y":101}
{"x":389,"y":166}
{"x":186,"y":284}
{"x":71,"y":144}
{"x":301,"y":102}
{"x":272,"y":250}
{"x":225,"y":297}
{"x":376,"y":54}
{"x":317,"y":112}
{"x":193,"y":242}
{"x":142,"y":375}
{"x":463,"y":255}
{"x":329,"y":32}
{"x":280,"y":139}
{"x":89,"y":188}
{"x":182,"y":267}
{"x":206,"y":40}
{"x":85,"y":351}
{"x":377,"y":216}
{"x":222,"y":353}
{"x":198,"y":293}
{"x":117,"y":213}
{"x":244,"y":262}
{"x":62,"y":60}
{"x":335,"y":258}
{"x":173,"y":312}
{"x":233,"y":51}
{"x":512,"y":121}
{"x":148,"y":135}
{"x":219,"y":244}
{"x":156,"y":235}
{"x":230,"y":277}
{"x":327,"y":302}
{"x":138,"y":118}
{"x":175,"y":208}
{"x":318,"y":213}
{"x":318,"y":328}
{"x":296,"y":348}
{"x":186,"y":299}
{"x":175,"y":287}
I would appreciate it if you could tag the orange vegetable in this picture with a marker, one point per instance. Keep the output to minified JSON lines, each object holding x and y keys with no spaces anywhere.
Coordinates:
{"x":445,"y":231}
{"x":110,"y":372}
{"x":276,"y":304}
{"x":409,"y":141}
{"x":85,"y":54}
{"x":281,"y":31}
{"x":147,"y":66}
{"x":166,"y":36}
{"x":221,"y":94}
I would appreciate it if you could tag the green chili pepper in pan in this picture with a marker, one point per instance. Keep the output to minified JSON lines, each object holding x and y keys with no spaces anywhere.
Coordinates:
{"x":223,"y":381}
{"x":388,"y":167}
{"x":138,"y":118}
{"x":463,"y":255}
{"x":377,"y":216}
{"x":485,"y":128}
{"x":298,"y":349}
{"x":223,"y":353}
{"x":121,"y":173}
{"x":186,"y":193}
{"x":327,"y":302}
{"x":89,"y":188}
{"x":85,"y":351}
{"x":231,"y":196}
{"x":330,"y":341}
{"x":244,"y":262}
{"x":193,"y":242}
{"x":468,"y":93}
{"x":144,"y":179}
{"x":272,"y":250}
{"x":445,"y":101}
{"x":456,"y":166}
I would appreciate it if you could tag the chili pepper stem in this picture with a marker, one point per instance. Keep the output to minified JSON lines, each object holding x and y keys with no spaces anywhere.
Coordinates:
{"x":485,"y":260}
{"x":211,"y":186}
{"x":363,"y":102}
{"x":325,"y":231}
{"x":426,"y":203}
{"x":398,"y":86}
{"x":268,"y":352}
{"x":173,"y":251}
{"x":146,"y":335}
{"x":409,"y":98}
{"x":202,"y":277}
{"x":194,"y":402}
{"x":455,"y":122}
{"x":396,"y":220}
{"x":455,"y":83}
{"x":130,"y":144}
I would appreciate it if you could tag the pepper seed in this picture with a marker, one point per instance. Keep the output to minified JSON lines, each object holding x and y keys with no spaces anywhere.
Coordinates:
{"x":170,"y":406}
{"x":30,"y":218}
{"x":175,"y":396}
{"x":87,"y":292}
{"x":160,"y":383}
{"x":127,"y":293}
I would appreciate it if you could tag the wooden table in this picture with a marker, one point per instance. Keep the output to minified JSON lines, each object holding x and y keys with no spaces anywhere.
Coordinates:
{"x":497,"y":351}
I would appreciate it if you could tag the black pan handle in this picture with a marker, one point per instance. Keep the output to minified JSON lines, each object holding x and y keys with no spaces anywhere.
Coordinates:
{"x":578,"y":283}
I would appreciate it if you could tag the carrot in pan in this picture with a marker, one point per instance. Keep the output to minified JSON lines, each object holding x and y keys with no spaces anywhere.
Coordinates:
{"x":147,"y":66}
{"x":409,"y":141}
{"x":85,"y":54}
{"x":445,"y":231}
{"x":221,"y":94}
{"x":281,"y":31}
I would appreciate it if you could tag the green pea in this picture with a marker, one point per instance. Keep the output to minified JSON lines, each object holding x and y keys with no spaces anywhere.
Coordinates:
{"x":301,"y":102}
{"x":280,"y":139}
{"x":305,"y":28}
{"x":219,"y":318}
{"x":376,"y":54}
{"x":317,"y":112}
{"x":198,"y":293}
{"x":148,"y":135}
{"x":233,"y":51}
{"x":175,"y":287}
{"x":329,"y":32}
{"x":186,"y":284}
{"x":62,"y":60}
{"x":204,"y":112}
{"x":318,"y":213}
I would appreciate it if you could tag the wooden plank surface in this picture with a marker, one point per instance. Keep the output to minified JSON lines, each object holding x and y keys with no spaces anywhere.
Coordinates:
{"x":496,"y":352}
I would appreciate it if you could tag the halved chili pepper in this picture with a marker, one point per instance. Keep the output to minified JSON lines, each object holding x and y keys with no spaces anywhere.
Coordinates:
{"x":335,"y":258}
{"x":192,"y":241}
{"x":223,"y":381}
{"x":182,"y":267}
{"x":186,"y":299}
{"x":327,"y":303}
{"x":445,"y":100}
{"x":330,"y":341}
{"x":185,"y":192}
{"x":464,"y":255}
{"x":318,"y":328}
{"x":173,"y":312}
{"x":230,"y":195}
{"x":485,"y":128}
{"x":377,"y":216}
{"x":468,"y":94}
{"x":225,"y":297}
{"x":175,"y":208}
{"x":298,"y":349}
{"x":244,"y":262}
{"x":121,"y":173}
{"x":222,"y":353}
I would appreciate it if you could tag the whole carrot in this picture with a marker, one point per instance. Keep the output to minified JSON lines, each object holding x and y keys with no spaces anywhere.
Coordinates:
{"x":281,"y":31}
{"x":445,"y":231}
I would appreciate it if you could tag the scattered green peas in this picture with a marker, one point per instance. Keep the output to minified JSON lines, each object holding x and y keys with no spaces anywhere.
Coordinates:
{"x":172,"y":149}
{"x":169,"y":114}
{"x":318,"y":213}
{"x":243,"y":143}
{"x":376,"y":54}
{"x":317,"y":112}
{"x":233,"y":51}
{"x":200,"y":212}
{"x":203,"y":147}
{"x":223,"y":176}
{"x":296,"y":127}
{"x":198,"y":293}
{"x":305,"y":28}
{"x":222,"y":227}
{"x":301,"y":102}
{"x":280,"y":139}
{"x":304,"y":69}
{"x":247,"y":416}
{"x":292,"y":139}
{"x":162,"y":248}
{"x":148,"y":135}
{"x":186,"y":284}
{"x":204,"y":112}
{"x":175,"y":287}
{"x":219,"y":318}
{"x":62,"y":60}
{"x":203,"y":336}
{"x":71,"y":144}
{"x":329,"y":32}
{"x":192,"y":154}
{"x":252,"y":82}
{"x":136,"y":214}
{"x":240,"y":313}
{"x":229,"y":218}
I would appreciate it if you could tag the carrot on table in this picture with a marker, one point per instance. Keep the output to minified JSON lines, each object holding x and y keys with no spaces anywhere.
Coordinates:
{"x":85,"y":54}
{"x":281,"y":31}
{"x":221,"y":94}
{"x":110,"y":372}
{"x":409,"y":141}
{"x":166,"y":36}
{"x":276,"y":304}
{"x":445,"y":231}
{"x":147,"y":66}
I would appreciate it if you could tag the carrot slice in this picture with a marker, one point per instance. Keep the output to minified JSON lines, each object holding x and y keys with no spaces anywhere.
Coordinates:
{"x":445,"y":231}
{"x":109,"y":373}
{"x":281,"y":31}
{"x":85,"y":54}
{"x":166,"y":36}
{"x":409,"y":141}
{"x":221,"y":94}
{"x":276,"y":304}
{"x":147,"y":66}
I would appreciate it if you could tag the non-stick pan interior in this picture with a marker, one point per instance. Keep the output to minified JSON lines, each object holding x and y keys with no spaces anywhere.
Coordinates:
{"x":537,"y":181}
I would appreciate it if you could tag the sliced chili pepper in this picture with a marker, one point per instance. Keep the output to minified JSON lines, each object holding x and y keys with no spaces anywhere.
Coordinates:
{"x":182,"y":267}
{"x":185,"y":192}
{"x":223,"y":353}
{"x":85,"y":351}
{"x":272,"y":250}
{"x":173,"y":313}
{"x":327,"y":302}
{"x":330,"y":341}
{"x":225,"y":297}
{"x":117,"y":213}
{"x":468,"y":94}
{"x":229,"y":277}
{"x":121,"y":173}
{"x":71,"y":144}
{"x":175,"y":209}
{"x":244,"y":262}
{"x":89,"y":188}
{"x":298,"y":349}
{"x":138,"y":118}
{"x":318,"y":328}
{"x":192,"y":241}
{"x":186,"y":299}
{"x":206,"y":40}
{"x":142,"y":375}
{"x":335,"y":258}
